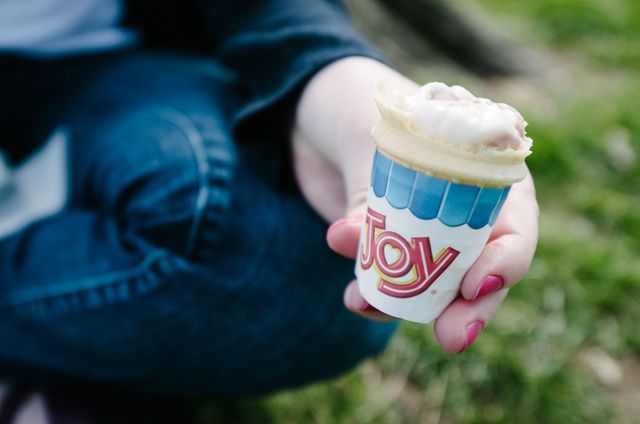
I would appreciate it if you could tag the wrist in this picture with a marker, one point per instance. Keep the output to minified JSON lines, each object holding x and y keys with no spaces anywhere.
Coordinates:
{"x":336,"y":110}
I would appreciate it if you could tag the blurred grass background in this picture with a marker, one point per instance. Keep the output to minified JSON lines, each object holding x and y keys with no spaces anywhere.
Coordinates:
{"x":565,"y":346}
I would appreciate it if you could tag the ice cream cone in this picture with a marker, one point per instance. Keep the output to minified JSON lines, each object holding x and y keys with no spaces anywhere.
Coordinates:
{"x":431,"y":206}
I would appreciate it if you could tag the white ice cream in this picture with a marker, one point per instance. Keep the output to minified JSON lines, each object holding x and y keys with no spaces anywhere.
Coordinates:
{"x":449,"y":132}
{"x":454,"y":115}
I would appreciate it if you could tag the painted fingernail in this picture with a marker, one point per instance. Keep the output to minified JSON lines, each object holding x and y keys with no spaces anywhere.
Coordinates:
{"x":337,"y":223}
{"x":348,"y":220}
{"x":490,"y":284}
{"x":368,"y":307}
{"x":473,"y":330}
{"x":354,"y":218}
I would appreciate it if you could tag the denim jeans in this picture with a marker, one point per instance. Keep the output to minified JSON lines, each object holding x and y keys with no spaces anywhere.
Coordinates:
{"x":184,"y":262}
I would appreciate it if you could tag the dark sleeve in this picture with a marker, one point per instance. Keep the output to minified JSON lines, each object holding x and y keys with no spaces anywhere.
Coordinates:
{"x":275,"y":46}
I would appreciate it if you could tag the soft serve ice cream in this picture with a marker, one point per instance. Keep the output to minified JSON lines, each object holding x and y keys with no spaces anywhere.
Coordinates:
{"x":444,"y":166}
{"x":448,"y":132}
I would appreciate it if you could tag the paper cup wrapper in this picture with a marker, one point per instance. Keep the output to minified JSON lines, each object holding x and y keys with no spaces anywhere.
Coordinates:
{"x":421,"y":235}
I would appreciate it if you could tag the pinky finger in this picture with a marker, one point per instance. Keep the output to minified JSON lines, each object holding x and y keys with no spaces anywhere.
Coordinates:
{"x":461,"y":323}
{"x":357,"y":304}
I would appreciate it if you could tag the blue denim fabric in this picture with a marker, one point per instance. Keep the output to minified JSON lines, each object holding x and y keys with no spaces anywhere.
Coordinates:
{"x":184,"y":262}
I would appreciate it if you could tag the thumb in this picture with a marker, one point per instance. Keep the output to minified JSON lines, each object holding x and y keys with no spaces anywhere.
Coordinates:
{"x":344,"y":234}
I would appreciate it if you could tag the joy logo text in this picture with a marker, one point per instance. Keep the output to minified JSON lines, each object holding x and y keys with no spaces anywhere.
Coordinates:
{"x":412,"y":268}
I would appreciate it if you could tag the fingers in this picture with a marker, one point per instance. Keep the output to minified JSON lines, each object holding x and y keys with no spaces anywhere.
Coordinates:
{"x":520,"y":211}
{"x":508,"y":255}
{"x":456,"y":328}
{"x":354,"y":302}
{"x":502,"y":263}
{"x":343,"y":235}
{"x":461,"y":323}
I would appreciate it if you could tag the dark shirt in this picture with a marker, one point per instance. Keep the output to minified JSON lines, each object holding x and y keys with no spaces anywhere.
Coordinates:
{"x":272,"y":46}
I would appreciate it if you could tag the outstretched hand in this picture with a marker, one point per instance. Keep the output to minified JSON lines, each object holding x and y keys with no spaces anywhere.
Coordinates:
{"x":333,"y":152}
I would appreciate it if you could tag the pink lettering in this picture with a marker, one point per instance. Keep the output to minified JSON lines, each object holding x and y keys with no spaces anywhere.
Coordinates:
{"x":413,"y":269}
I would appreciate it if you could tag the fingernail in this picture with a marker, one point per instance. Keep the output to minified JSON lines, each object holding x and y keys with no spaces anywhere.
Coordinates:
{"x":473,"y":330}
{"x":348,"y":220}
{"x":369,"y":308}
{"x":490,"y":284}
{"x":359,"y":217}
{"x":337,"y":223}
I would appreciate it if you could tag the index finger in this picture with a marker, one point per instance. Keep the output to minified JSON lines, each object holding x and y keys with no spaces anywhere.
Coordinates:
{"x":508,"y":254}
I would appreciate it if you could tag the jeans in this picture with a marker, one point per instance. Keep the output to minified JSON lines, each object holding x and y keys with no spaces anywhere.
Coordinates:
{"x":184,"y":262}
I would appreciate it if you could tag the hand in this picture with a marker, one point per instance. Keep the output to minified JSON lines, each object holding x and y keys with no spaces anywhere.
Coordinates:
{"x":333,"y":152}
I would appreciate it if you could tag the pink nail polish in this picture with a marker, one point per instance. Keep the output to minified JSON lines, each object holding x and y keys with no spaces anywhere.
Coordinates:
{"x":338,"y":223}
{"x":490,"y":284}
{"x":355,"y":219}
{"x":473,"y":330}
{"x":368,"y":308}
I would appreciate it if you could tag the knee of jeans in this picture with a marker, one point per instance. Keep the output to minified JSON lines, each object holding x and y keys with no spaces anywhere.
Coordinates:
{"x":324,"y":357}
{"x":356,"y":339}
{"x":172,"y":178}
{"x":346,"y":339}
{"x":318,"y":338}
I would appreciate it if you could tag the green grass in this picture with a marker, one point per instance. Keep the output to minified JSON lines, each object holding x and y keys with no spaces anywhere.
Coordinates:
{"x":605,"y":31}
{"x":583,"y":291}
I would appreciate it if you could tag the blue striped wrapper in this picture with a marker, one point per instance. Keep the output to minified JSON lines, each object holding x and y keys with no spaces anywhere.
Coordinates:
{"x":427,"y":197}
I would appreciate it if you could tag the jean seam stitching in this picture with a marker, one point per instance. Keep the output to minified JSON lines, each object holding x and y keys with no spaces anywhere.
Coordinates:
{"x":27,"y":296}
{"x":165,"y":218}
{"x":184,"y":124}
